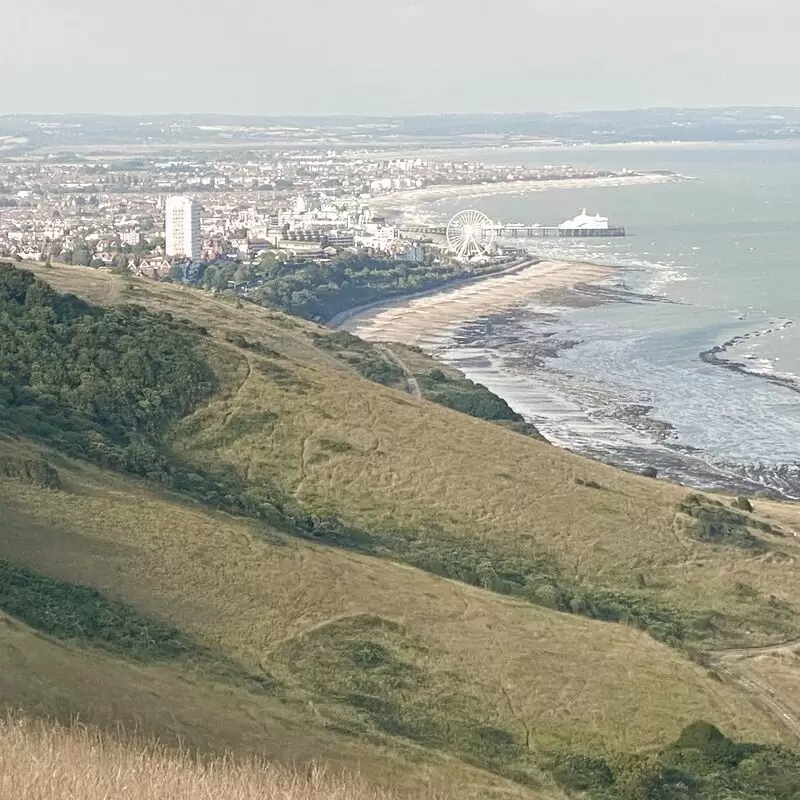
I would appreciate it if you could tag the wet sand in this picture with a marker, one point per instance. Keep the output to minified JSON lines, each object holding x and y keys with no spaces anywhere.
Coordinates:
{"x":411,"y":321}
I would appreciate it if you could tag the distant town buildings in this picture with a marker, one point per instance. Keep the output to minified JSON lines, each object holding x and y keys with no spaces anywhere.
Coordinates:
{"x":306,"y":201}
{"x":182,"y":227}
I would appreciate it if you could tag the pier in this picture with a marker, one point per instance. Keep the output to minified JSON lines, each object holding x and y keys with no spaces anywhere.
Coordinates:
{"x":525,"y":231}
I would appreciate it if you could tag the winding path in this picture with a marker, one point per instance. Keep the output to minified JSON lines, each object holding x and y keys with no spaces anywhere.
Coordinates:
{"x":729,"y":664}
{"x":412,"y":384}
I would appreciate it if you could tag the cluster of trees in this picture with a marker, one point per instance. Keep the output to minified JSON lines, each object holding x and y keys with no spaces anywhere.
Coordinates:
{"x":106,"y":385}
{"x":319,"y":290}
{"x":102,"y":383}
{"x":222,"y":275}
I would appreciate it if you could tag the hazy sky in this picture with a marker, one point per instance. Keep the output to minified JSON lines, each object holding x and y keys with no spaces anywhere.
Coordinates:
{"x":426,"y":56}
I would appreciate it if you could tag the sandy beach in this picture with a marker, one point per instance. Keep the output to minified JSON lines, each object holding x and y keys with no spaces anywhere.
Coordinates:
{"x":407,"y":199}
{"x":409,"y":321}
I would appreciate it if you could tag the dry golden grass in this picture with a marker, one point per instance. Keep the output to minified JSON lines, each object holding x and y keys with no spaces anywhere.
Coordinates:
{"x":414,"y":466}
{"x":178,"y":707}
{"x":773,"y":675}
{"x":41,"y":761}
{"x":422,"y":467}
{"x":570,"y":681}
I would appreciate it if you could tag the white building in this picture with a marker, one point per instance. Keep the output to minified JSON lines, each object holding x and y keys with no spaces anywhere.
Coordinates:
{"x":583,"y":220}
{"x":183,"y":227}
{"x":131,"y":237}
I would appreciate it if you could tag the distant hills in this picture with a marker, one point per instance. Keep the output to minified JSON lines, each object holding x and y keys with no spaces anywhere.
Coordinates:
{"x":594,"y":127}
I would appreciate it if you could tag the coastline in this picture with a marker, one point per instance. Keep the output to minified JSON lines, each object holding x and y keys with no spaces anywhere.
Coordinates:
{"x":408,"y":321}
{"x":459,"y":324}
{"x":339,"y":320}
{"x":401,"y":200}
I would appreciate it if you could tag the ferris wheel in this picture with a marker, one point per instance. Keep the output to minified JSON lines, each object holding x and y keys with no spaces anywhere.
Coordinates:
{"x":470,"y":233}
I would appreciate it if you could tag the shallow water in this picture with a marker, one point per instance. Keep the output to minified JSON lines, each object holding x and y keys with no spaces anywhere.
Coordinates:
{"x":723,"y":248}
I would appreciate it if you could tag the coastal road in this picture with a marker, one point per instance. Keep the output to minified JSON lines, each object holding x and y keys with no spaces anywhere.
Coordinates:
{"x":412,"y":384}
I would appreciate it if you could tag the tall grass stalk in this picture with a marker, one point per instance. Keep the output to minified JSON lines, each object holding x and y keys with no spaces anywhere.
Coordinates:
{"x":44,"y":761}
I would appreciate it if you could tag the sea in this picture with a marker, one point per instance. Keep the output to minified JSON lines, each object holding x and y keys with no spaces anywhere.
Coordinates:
{"x":711,"y":260}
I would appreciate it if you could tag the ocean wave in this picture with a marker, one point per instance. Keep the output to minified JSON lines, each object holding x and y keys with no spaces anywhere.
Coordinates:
{"x":652,"y":276}
{"x":593,"y":422}
{"x":517,"y":355}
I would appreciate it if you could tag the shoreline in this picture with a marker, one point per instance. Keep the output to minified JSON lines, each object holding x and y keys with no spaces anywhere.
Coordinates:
{"x":408,"y":320}
{"x":401,"y":200}
{"x":339,"y":320}
{"x":634,"y":441}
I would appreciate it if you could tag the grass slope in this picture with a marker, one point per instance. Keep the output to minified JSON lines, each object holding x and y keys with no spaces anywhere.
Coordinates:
{"x":275,"y":603}
{"x":384,"y":463}
{"x":393,"y":662}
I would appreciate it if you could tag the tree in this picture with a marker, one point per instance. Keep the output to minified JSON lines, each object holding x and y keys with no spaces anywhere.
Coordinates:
{"x":120,"y":262}
{"x":176,"y":272}
{"x":243,"y":273}
{"x":210,"y":277}
{"x":82,"y":256}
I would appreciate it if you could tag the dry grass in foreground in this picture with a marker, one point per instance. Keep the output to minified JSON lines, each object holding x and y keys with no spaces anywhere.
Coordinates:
{"x":42,"y":761}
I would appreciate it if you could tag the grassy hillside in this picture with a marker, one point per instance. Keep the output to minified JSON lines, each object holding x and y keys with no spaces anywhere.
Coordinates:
{"x":333,"y":661}
{"x":402,"y":586}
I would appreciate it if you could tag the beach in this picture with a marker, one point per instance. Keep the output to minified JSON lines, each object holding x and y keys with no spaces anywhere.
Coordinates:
{"x":406,"y":200}
{"x":475,"y":327}
{"x":682,"y":356}
{"x":410,"y":321}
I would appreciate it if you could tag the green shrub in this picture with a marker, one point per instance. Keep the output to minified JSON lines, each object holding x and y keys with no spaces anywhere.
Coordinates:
{"x":712,"y":522}
{"x":475,"y":400}
{"x":380,"y":370}
{"x":708,"y":740}
{"x":68,"y":611}
{"x":582,"y":773}
{"x":702,"y":764}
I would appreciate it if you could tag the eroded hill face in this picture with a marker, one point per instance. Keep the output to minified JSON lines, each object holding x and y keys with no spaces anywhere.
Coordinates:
{"x":341,"y":486}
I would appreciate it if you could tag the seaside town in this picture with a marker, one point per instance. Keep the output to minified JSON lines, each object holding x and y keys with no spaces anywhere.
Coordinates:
{"x":171,"y":215}
{"x":399,"y":401}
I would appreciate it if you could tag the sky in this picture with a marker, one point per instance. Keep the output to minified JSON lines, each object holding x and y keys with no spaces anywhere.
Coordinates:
{"x":376,"y":57}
